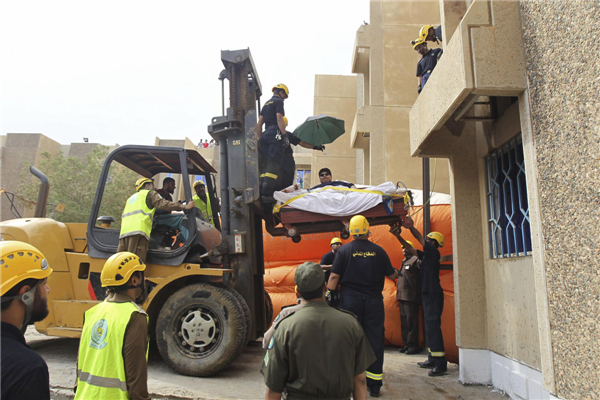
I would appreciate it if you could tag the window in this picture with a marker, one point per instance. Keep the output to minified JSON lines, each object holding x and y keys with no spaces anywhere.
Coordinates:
{"x":302,"y":178}
{"x":508,"y":208}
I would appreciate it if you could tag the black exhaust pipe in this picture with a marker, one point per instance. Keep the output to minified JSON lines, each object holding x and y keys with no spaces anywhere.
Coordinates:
{"x":42,"y":200}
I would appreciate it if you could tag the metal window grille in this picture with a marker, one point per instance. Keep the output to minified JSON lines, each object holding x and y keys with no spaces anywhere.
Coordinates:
{"x":508,"y":209}
{"x":301,"y":176}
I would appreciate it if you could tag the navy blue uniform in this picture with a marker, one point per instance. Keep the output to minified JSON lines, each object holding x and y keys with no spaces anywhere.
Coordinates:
{"x":362,"y":267}
{"x":288,"y":164}
{"x":426,"y":65}
{"x":433,"y":304}
{"x":270,"y":146}
{"x":24,"y":372}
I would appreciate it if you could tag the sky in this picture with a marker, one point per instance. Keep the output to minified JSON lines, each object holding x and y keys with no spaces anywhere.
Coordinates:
{"x":125,"y":72}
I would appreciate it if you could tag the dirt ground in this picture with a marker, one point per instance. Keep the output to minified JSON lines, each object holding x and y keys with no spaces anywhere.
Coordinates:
{"x":402,"y":378}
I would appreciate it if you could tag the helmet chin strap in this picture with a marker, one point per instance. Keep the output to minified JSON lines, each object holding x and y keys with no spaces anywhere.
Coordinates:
{"x":141,"y":298}
{"x":27,"y":298}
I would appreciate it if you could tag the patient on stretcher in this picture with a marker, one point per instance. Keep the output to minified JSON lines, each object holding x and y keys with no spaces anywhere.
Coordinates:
{"x":326,"y":179}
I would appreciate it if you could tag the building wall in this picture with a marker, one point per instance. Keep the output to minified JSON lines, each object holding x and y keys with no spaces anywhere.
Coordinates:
{"x":388,"y":88}
{"x":20,"y":149}
{"x":335,"y":95}
{"x":562,"y":72}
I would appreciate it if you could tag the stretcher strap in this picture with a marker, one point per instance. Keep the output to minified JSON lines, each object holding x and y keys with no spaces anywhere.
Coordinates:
{"x":342,"y":189}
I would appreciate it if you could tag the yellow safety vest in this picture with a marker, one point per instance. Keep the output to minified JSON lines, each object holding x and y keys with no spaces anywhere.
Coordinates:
{"x":205,"y":208}
{"x":100,"y":365}
{"x":137,"y":217}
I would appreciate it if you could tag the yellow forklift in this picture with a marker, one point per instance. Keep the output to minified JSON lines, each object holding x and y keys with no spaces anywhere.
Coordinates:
{"x":206,"y":295}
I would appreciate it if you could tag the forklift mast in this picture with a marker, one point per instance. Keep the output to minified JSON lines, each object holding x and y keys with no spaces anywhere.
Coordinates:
{"x":241,"y":213}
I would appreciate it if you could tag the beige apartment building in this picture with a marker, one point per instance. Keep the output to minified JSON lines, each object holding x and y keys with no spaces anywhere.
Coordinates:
{"x":511,"y":115}
{"x":513,"y":106}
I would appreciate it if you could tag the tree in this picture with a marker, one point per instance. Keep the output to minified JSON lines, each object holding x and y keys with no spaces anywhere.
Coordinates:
{"x":73,"y":184}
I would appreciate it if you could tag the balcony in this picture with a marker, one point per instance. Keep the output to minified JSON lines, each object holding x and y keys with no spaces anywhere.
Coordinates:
{"x":483,"y":58}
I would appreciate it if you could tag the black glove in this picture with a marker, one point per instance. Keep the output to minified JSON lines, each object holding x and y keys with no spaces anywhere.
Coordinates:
{"x":333,"y":298}
{"x":419,"y":90}
{"x":321,"y":147}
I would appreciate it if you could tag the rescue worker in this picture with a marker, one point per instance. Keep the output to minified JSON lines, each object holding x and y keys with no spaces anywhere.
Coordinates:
{"x":168,"y":189}
{"x":24,"y":292}
{"x":408,"y":295}
{"x":317,"y":352}
{"x":361,"y":267}
{"x":136,"y":221}
{"x":427,"y":63}
{"x":288,"y":164}
{"x":270,"y":149}
{"x":202,"y":202}
{"x":113,"y":350}
{"x":433,"y":300}
{"x":327,"y":259}
{"x":429,"y":34}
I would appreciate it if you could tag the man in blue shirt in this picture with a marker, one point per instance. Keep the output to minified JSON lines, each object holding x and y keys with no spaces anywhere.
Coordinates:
{"x":427,"y":63}
{"x":361,"y":268}
{"x":271,"y":147}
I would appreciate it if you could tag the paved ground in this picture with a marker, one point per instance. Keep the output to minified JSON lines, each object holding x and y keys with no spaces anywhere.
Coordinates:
{"x":402,"y":378}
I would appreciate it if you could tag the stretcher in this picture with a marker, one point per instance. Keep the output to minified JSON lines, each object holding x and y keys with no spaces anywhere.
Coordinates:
{"x":389,"y":209}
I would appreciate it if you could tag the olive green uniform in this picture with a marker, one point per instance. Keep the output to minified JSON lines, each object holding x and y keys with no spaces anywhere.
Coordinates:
{"x":316,"y":353}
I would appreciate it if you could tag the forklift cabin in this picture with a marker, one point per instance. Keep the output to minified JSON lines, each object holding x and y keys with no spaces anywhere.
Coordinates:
{"x":149,"y":161}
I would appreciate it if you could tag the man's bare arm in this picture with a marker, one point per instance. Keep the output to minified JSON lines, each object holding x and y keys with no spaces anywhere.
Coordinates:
{"x":259,"y":126}
{"x":280,"y":123}
{"x":306,"y":145}
{"x":359,"y":392}
{"x":271,"y":395}
{"x":417,"y":235}
{"x":333,"y":281}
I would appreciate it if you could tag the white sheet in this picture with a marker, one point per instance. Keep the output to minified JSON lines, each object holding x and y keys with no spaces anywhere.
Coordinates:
{"x":342,"y":203}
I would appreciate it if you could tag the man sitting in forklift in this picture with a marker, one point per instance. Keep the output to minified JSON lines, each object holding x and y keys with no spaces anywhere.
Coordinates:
{"x":136,"y":221}
{"x":202,"y":202}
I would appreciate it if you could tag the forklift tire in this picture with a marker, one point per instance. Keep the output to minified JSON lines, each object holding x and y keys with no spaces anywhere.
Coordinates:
{"x":268,"y":309}
{"x":345,"y":235}
{"x":201,"y":329}
{"x":245,"y":308}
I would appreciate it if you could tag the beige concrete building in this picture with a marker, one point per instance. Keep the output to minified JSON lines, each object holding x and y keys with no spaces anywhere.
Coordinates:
{"x":512,"y":104}
{"x":385,"y":64}
{"x":20,"y":149}
{"x":335,"y":95}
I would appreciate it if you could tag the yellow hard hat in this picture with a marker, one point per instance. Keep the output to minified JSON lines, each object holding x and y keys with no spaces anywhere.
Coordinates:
{"x":141,"y":182}
{"x":417,"y":42}
{"x":119,"y":267}
{"x":359,"y":225}
{"x":282,"y":87}
{"x":335,"y":240}
{"x":198,"y":183}
{"x":424,"y":32}
{"x":438,"y":237}
{"x":20,"y":261}
{"x":285,"y":121}
{"x":409,"y":242}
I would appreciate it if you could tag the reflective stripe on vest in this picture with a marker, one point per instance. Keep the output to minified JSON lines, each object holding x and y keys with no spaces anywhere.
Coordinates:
{"x":137,"y":217}
{"x":100,"y":365}
{"x":204,"y":208}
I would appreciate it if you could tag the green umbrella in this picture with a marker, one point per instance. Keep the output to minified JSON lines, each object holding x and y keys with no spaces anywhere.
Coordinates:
{"x":319,"y":130}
